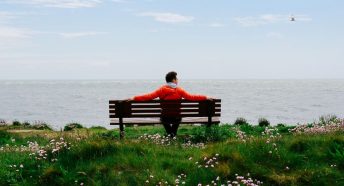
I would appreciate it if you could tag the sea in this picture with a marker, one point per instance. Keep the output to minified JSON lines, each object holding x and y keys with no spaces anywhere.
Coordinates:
{"x":58,"y":102}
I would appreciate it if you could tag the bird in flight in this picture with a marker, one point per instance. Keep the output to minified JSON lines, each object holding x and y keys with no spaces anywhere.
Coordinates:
{"x":292,"y":18}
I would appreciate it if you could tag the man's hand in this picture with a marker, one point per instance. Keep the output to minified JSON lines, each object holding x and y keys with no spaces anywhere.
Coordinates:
{"x":130,"y":99}
{"x":210,"y":98}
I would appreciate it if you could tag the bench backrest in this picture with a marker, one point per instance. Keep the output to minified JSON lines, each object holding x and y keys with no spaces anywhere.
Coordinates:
{"x":163,"y":108}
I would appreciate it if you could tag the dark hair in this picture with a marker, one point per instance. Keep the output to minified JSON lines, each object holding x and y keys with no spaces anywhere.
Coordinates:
{"x":171,"y":76}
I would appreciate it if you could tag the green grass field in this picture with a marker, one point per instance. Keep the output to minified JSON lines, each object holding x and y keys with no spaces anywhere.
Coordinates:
{"x":225,"y":154}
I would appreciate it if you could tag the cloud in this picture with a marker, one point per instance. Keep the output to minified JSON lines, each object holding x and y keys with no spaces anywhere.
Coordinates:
{"x":7,"y":32}
{"x":120,"y":1}
{"x":80,"y":34}
{"x":5,"y":16}
{"x":265,"y":19}
{"x":168,"y":17}
{"x":13,"y":37}
{"x":216,"y":25}
{"x":274,"y":35}
{"x":59,"y":3}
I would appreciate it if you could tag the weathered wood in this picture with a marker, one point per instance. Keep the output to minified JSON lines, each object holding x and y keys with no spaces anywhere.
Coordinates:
{"x":148,"y":121}
{"x":147,"y":115}
{"x":159,"y":101}
{"x":130,"y":113}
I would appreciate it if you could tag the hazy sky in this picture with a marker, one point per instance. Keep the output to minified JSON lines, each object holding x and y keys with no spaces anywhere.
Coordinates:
{"x":207,"y":39}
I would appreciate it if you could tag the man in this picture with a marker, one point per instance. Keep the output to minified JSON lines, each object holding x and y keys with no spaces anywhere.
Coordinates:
{"x":170,"y":91}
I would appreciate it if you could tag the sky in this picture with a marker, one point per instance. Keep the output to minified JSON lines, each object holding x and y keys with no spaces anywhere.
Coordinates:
{"x":144,"y":39}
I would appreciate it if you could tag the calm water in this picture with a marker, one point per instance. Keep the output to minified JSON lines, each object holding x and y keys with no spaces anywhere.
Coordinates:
{"x":280,"y":101}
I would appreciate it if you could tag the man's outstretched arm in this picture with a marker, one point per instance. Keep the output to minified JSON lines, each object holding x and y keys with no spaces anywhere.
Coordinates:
{"x":192,"y":97}
{"x":147,"y":97}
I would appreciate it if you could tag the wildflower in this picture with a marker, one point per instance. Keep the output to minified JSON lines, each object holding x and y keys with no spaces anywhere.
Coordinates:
{"x":21,"y":166}
{"x":190,"y":158}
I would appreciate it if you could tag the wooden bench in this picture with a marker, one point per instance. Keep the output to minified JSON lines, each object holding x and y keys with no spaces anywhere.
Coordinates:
{"x":123,"y":112}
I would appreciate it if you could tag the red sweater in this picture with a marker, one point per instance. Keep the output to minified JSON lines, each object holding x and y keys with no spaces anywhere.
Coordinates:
{"x":168,"y":93}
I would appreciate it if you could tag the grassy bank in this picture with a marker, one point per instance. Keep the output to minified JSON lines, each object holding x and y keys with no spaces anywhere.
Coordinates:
{"x":227,"y":154}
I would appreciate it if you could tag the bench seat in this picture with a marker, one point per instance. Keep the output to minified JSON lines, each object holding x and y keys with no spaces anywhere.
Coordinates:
{"x":123,"y":112}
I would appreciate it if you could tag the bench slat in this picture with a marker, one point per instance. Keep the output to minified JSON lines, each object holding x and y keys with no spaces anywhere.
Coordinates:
{"x":159,"y":101}
{"x":142,"y":115}
{"x":159,"y":110}
{"x":159,"y":106}
{"x":151,"y":121}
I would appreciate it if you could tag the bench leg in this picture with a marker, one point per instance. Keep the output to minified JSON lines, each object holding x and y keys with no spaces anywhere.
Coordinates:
{"x":121,"y":131}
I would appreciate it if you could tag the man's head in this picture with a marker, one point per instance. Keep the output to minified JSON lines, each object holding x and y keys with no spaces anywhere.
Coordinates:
{"x":171,"y":77}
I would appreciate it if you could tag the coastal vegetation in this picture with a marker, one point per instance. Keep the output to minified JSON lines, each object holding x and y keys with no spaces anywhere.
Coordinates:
{"x":242,"y":154}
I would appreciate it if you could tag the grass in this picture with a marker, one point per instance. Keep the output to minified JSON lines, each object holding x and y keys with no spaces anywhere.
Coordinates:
{"x":96,"y":156}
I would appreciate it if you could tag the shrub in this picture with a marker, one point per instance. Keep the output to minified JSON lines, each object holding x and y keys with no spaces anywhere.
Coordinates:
{"x":214,"y":133}
{"x":280,"y":125}
{"x":16,"y":123}
{"x":98,"y":128}
{"x":263,"y":122}
{"x":26,"y":124}
{"x":240,"y":121}
{"x":282,"y":128}
{"x":41,"y":125}
{"x":3,"y":122}
{"x":72,"y":126}
{"x":327,"y":119}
